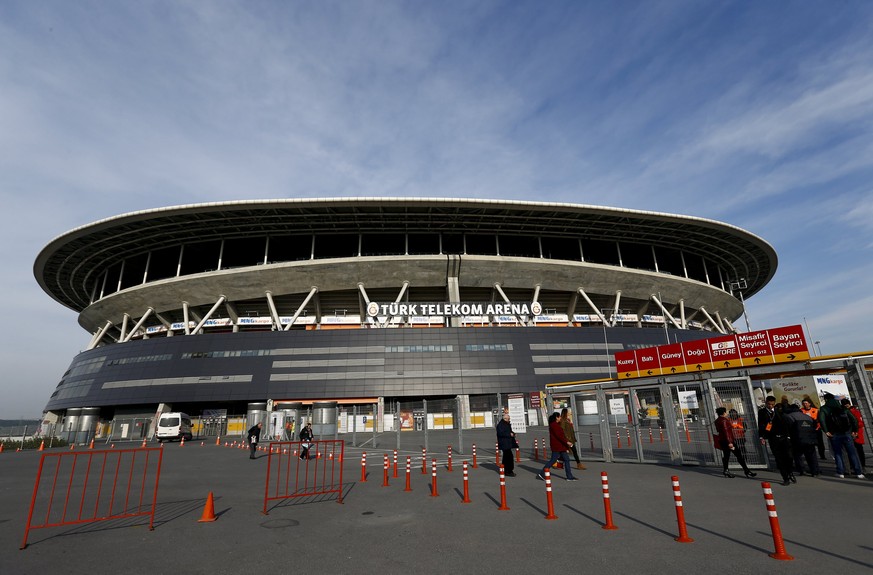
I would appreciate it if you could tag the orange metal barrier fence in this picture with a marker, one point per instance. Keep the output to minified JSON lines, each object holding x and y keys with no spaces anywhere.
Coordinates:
{"x":303,"y":469}
{"x":78,"y":487}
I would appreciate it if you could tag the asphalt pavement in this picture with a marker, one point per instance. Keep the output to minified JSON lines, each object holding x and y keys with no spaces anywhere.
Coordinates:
{"x":825,"y":521}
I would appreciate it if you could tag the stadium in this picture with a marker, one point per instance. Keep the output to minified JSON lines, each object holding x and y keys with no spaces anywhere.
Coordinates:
{"x":253,"y":306}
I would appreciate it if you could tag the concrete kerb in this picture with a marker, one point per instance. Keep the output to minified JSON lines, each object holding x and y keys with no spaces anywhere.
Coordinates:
{"x":726,"y":517}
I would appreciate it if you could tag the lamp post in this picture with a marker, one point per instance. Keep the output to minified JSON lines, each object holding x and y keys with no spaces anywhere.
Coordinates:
{"x":740,"y":284}
{"x":818,"y":347}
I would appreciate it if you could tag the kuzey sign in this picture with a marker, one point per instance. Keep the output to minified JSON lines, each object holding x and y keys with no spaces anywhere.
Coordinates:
{"x":775,"y":345}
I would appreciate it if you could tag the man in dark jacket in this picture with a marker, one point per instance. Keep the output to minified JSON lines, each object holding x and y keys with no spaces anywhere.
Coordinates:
{"x":506,"y":443}
{"x":774,"y":429}
{"x":804,"y":440}
{"x":560,"y":446}
{"x":254,"y":437}
{"x":840,"y":427}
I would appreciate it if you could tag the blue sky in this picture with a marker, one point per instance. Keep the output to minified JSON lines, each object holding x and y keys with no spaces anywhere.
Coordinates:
{"x":757,"y":114}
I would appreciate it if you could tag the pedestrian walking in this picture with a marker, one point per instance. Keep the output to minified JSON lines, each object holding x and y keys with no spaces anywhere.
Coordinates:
{"x":506,"y":442}
{"x":728,"y":444}
{"x":560,"y":446}
{"x":566,"y":422}
{"x":254,"y":437}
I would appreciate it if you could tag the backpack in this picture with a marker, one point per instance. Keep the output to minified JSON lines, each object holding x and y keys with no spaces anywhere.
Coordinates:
{"x":838,"y":421}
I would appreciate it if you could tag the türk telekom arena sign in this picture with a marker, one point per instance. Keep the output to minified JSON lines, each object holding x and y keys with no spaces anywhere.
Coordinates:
{"x":775,"y":345}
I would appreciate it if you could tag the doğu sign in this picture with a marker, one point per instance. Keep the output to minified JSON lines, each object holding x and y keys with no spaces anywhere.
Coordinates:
{"x":777,"y":345}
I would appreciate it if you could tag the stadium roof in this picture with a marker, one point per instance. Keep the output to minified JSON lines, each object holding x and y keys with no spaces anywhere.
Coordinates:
{"x":64,"y":267}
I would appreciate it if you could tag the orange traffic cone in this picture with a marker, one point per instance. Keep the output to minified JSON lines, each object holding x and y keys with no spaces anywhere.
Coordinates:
{"x":91,"y":446}
{"x":42,"y":445}
{"x":218,"y":440}
{"x":208,"y":510}
{"x":1,"y":447}
{"x":72,"y":446}
{"x":143,"y":442}
{"x":182,"y":443}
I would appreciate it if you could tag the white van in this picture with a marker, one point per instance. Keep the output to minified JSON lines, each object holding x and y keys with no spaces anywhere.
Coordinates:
{"x":173,"y":425}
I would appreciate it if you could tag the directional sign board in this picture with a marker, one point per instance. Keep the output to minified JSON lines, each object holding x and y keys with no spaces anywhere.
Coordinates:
{"x":777,"y":345}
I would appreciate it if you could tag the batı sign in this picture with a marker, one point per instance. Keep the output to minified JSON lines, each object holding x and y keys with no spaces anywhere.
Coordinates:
{"x":775,"y":345}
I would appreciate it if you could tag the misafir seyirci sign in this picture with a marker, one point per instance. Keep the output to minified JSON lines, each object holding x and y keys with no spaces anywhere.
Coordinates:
{"x":461,"y":309}
{"x":777,"y":345}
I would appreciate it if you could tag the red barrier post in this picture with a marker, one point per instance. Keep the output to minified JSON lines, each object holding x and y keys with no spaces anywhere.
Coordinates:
{"x":550,"y":504}
{"x":423,"y":461}
{"x":363,"y":467}
{"x":680,"y":513}
{"x":503,"y":506}
{"x":475,"y":466}
{"x":518,"y":455}
{"x":779,"y":553}
{"x":408,"y":473}
{"x":433,"y":489}
{"x":385,"y":480}
{"x":661,"y":431}
{"x":450,"y":459}
{"x":651,"y":438}
{"x":395,"y":464}
{"x":466,"y":485}
{"x":607,"y":505}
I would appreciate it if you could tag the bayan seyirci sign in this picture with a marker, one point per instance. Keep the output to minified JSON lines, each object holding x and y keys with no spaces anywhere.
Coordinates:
{"x":775,"y":345}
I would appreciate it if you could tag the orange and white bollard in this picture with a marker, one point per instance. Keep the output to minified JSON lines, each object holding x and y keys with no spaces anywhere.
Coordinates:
{"x":629,"y":444}
{"x":680,"y":513}
{"x":408,"y":473}
{"x":618,"y":438}
{"x":363,"y":466}
{"x":651,"y":437}
{"x":385,"y":480}
{"x":536,"y":449}
{"x":433,"y":489}
{"x":424,"y":461}
{"x":497,"y":453}
{"x":607,"y":504}
{"x":549,"y":503}
{"x":779,"y":553}
{"x":466,"y":485}
{"x":449,"y":468}
{"x":661,"y":431}
{"x":475,"y":466}
{"x":503,"y":506}
{"x":518,"y":455}
{"x":395,"y":464}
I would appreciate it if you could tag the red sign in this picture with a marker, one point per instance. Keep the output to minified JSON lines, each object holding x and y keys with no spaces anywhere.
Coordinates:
{"x":696,"y":354}
{"x":724,"y":352}
{"x":626,"y":364}
{"x":788,"y":343}
{"x":672,"y":360}
{"x":781,"y":344}
{"x":648,"y":362}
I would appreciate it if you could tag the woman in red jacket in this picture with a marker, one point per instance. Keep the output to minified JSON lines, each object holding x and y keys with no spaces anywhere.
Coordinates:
{"x":859,"y":438}
{"x":560,"y":445}
{"x":728,"y":444}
